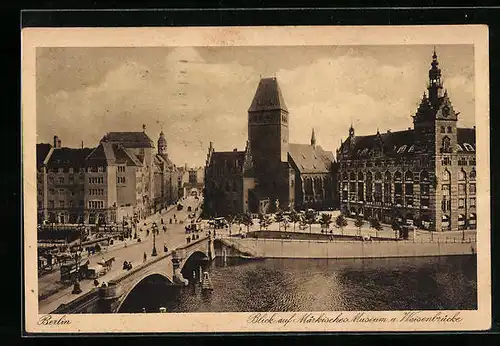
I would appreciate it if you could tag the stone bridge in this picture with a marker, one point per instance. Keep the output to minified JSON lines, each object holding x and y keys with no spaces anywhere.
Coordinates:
{"x":169,"y":266}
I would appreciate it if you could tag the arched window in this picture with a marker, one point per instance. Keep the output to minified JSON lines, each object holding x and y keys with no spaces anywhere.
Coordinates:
{"x":446,"y":144}
{"x":472,"y":175}
{"x":378,"y":176}
{"x":397,"y":175}
{"x":352,"y":176}
{"x":461,"y":175}
{"x":388,"y":176}
{"x":424,"y":176}
{"x":408,"y":176}
{"x":360,"y":176}
{"x":446,"y":176}
{"x":369,"y":176}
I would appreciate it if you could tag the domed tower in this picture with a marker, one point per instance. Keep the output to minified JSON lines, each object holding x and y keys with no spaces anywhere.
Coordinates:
{"x":162,"y":144}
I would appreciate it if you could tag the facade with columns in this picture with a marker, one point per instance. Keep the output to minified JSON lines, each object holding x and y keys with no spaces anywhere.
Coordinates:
{"x":425,"y":175}
{"x":120,"y":179}
{"x":270,"y":173}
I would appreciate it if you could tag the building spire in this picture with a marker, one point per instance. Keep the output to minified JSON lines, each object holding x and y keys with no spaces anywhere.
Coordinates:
{"x":313,"y":138}
{"x":435,"y":86}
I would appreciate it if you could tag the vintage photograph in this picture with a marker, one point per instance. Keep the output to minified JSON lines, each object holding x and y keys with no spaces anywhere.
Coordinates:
{"x":258,"y":179}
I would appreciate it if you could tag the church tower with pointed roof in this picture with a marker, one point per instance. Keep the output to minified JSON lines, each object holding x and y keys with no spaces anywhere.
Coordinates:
{"x":268,"y":139}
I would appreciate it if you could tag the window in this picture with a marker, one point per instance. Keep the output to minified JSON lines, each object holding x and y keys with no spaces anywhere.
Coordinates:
{"x":60,"y":180}
{"x":462,"y":161}
{"x":446,"y":145}
{"x":378,"y":176}
{"x":472,"y":189}
{"x":61,"y":192}
{"x":397,"y":176}
{"x":409,"y":176}
{"x":445,"y":188}
{"x":472,"y":162}
{"x":99,"y":169}
{"x":424,"y":189}
{"x":442,"y":129}
{"x":472,"y":202}
{"x":461,"y":189}
{"x":52,"y":191}
{"x":446,"y":161}
{"x":51,"y":204}
{"x":61,"y":204}
{"x":61,"y":170}
{"x":461,"y":175}
{"x":446,"y":176}
{"x":449,"y":129}
{"x":401,"y":149}
{"x":409,"y":189}
{"x":461,"y":202}
{"x":472,"y":175}
{"x":121,"y":169}
{"x":51,"y":180}
{"x":424,"y":203}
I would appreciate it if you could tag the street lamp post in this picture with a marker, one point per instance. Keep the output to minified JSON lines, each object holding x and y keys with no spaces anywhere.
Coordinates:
{"x":78,"y":255}
{"x":154,"y":252}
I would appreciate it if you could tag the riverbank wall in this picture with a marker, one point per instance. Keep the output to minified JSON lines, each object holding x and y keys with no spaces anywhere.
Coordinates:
{"x":281,"y":248}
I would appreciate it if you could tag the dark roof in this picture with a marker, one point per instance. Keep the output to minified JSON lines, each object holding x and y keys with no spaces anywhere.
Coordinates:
{"x":228,"y":159}
{"x":310,"y":159}
{"x":68,"y":157}
{"x":401,"y":143}
{"x":466,"y":139}
{"x":42,"y":149}
{"x":112,"y":152}
{"x":268,"y":96}
{"x":129,"y":139}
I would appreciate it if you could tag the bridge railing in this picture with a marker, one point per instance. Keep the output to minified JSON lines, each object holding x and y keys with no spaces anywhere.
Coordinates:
{"x":143,"y":265}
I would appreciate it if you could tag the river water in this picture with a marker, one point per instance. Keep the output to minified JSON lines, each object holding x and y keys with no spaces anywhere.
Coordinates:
{"x":422,"y":283}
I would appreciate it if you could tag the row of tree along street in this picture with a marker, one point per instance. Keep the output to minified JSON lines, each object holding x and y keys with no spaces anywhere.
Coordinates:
{"x":304,"y":220}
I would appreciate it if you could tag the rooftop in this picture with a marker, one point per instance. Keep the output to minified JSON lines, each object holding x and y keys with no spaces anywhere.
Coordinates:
{"x":268,"y":96}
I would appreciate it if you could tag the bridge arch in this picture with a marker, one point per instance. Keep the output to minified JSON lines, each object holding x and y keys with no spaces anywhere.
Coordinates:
{"x":136,"y":284}
{"x":193,"y":259}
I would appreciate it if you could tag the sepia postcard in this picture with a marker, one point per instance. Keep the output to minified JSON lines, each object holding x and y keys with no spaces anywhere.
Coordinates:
{"x":256,"y":179}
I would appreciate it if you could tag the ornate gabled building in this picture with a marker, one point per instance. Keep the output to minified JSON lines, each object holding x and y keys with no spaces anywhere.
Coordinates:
{"x":119,"y":179}
{"x":271,"y":173}
{"x":165,"y":177}
{"x":425,"y":175}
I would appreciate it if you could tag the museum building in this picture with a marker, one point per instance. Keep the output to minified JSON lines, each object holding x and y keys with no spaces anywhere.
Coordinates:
{"x":425,"y":175}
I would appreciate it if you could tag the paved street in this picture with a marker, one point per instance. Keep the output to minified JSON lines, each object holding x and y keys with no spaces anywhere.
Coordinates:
{"x":132,"y":252}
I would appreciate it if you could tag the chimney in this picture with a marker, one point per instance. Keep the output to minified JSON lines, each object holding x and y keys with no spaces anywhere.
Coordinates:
{"x":144,"y":128}
{"x":57,"y":143}
{"x":235,"y":149}
{"x":82,"y":144}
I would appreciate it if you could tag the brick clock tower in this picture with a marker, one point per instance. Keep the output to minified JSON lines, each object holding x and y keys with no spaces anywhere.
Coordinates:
{"x":435,"y":125}
{"x":268,"y":139}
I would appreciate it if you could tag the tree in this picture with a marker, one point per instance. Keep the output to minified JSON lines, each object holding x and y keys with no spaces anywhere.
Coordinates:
{"x":309,"y":219}
{"x":279,"y":218}
{"x":359,"y":222}
{"x":375,"y":223}
{"x":264,"y":221}
{"x":294,"y":218}
{"x":325,"y":221}
{"x":396,"y":227}
{"x":230,"y":220}
{"x":285,"y":222}
{"x":341,"y":222}
{"x":246,"y":219}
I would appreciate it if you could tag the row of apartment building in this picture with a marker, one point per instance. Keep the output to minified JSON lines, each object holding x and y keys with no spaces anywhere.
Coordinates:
{"x":123,"y":177}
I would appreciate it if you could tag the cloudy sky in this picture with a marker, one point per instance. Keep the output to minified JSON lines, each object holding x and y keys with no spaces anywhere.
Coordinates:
{"x":198,"y":95}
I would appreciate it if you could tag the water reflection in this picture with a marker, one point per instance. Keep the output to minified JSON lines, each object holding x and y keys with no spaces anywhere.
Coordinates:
{"x":320,"y":285}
